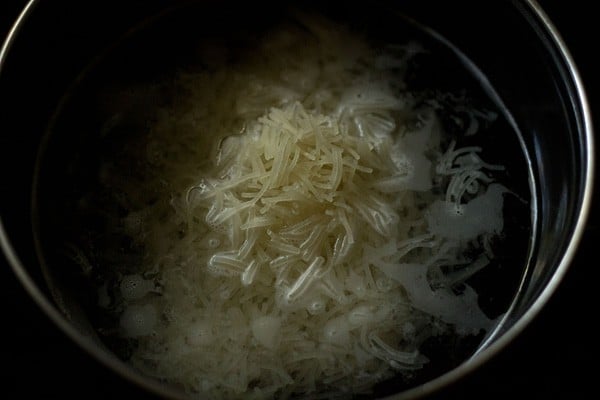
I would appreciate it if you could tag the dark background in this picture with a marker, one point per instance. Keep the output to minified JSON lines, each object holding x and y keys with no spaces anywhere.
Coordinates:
{"x":554,"y":358}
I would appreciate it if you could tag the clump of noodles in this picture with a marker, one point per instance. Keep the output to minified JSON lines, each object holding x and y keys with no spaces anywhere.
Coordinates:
{"x":309,"y":229}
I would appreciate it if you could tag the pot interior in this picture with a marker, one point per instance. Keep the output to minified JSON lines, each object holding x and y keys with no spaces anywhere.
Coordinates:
{"x":98,"y":88}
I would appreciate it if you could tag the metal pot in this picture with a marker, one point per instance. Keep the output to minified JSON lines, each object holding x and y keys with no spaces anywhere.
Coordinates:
{"x":528,"y":65}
